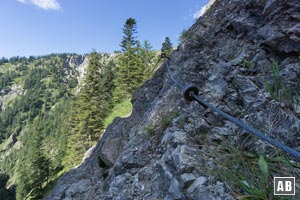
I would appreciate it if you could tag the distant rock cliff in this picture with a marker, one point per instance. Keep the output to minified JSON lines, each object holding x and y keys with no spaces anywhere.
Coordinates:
{"x":167,"y":148}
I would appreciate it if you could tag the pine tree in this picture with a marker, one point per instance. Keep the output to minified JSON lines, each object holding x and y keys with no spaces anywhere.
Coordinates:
{"x":90,"y":109}
{"x":148,"y":57}
{"x":129,"y":40}
{"x":130,"y":72}
{"x":33,"y":169}
{"x":167,"y":46}
{"x":23,"y":179}
{"x":106,"y":86}
{"x":91,"y":99}
{"x":75,"y":140}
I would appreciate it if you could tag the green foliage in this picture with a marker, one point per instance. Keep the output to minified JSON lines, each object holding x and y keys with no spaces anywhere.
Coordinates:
{"x":183,"y":35}
{"x":33,"y":167}
{"x":7,"y":79}
{"x":41,"y":159}
{"x":86,"y":122}
{"x":150,"y":130}
{"x":3,"y":60}
{"x":156,"y":129}
{"x":279,"y":90}
{"x":149,"y":59}
{"x":247,"y":64}
{"x":36,"y":120}
{"x":182,"y":122}
{"x":250,"y":176}
{"x":76,"y":142}
{"x":129,"y":40}
{"x":73,"y":82}
{"x":122,"y":109}
{"x":263,"y":166}
{"x":129,"y":74}
{"x":167,"y":46}
{"x":167,"y":119}
{"x":40,"y":95}
{"x":135,"y":64}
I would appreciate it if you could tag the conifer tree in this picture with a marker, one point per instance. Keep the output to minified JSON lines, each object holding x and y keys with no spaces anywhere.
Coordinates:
{"x":89,"y":101}
{"x":129,"y":40}
{"x":85,"y":119}
{"x":167,"y":46}
{"x":75,"y":141}
{"x":90,"y":109}
{"x":147,"y":55}
{"x":23,"y":180}
{"x":130,"y":72}
{"x":107,"y":86}
{"x":33,"y":169}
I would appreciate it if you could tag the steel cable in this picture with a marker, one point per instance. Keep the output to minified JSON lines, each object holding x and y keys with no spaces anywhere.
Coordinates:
{"x":191,"y":93}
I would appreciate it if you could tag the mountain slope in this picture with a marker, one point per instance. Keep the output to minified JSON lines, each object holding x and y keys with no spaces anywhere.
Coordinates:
{"x":35,"y":97}
{"x":244,"y":57}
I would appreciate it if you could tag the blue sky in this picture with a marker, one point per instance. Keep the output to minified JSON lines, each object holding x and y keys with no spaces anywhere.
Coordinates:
{"x":40,"y":27}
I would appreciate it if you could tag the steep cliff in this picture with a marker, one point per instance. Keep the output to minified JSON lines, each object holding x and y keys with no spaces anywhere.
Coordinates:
{"x":244,"y":57}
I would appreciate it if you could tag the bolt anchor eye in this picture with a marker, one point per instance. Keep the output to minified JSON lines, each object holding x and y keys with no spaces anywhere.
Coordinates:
{"x":188,"y":90}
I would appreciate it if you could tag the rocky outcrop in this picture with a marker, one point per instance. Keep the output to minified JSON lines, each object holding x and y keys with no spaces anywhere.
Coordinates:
{"x":161,"y":150}
{"x":7,"y":95}
{"x":80,"y":63}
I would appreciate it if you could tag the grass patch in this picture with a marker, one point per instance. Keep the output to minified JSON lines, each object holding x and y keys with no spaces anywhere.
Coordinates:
{"x":120,"y":110}
{"x":250,"y":175}
{"x":182,"y":122}
{"x":279,"y":90}
{"x":162,"y":124}
{"x":248,"y":64}
{"x":150,"y":129}
{"x":167,"y":119}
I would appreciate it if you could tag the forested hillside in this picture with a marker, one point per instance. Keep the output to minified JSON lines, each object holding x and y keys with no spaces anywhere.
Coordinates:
{"x":56,"y":107}
{"x":35,"y":96}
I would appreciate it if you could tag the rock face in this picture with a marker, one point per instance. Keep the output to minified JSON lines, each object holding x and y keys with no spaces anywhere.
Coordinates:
{"x":159,"y":152}
{"x":7,"y":95}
